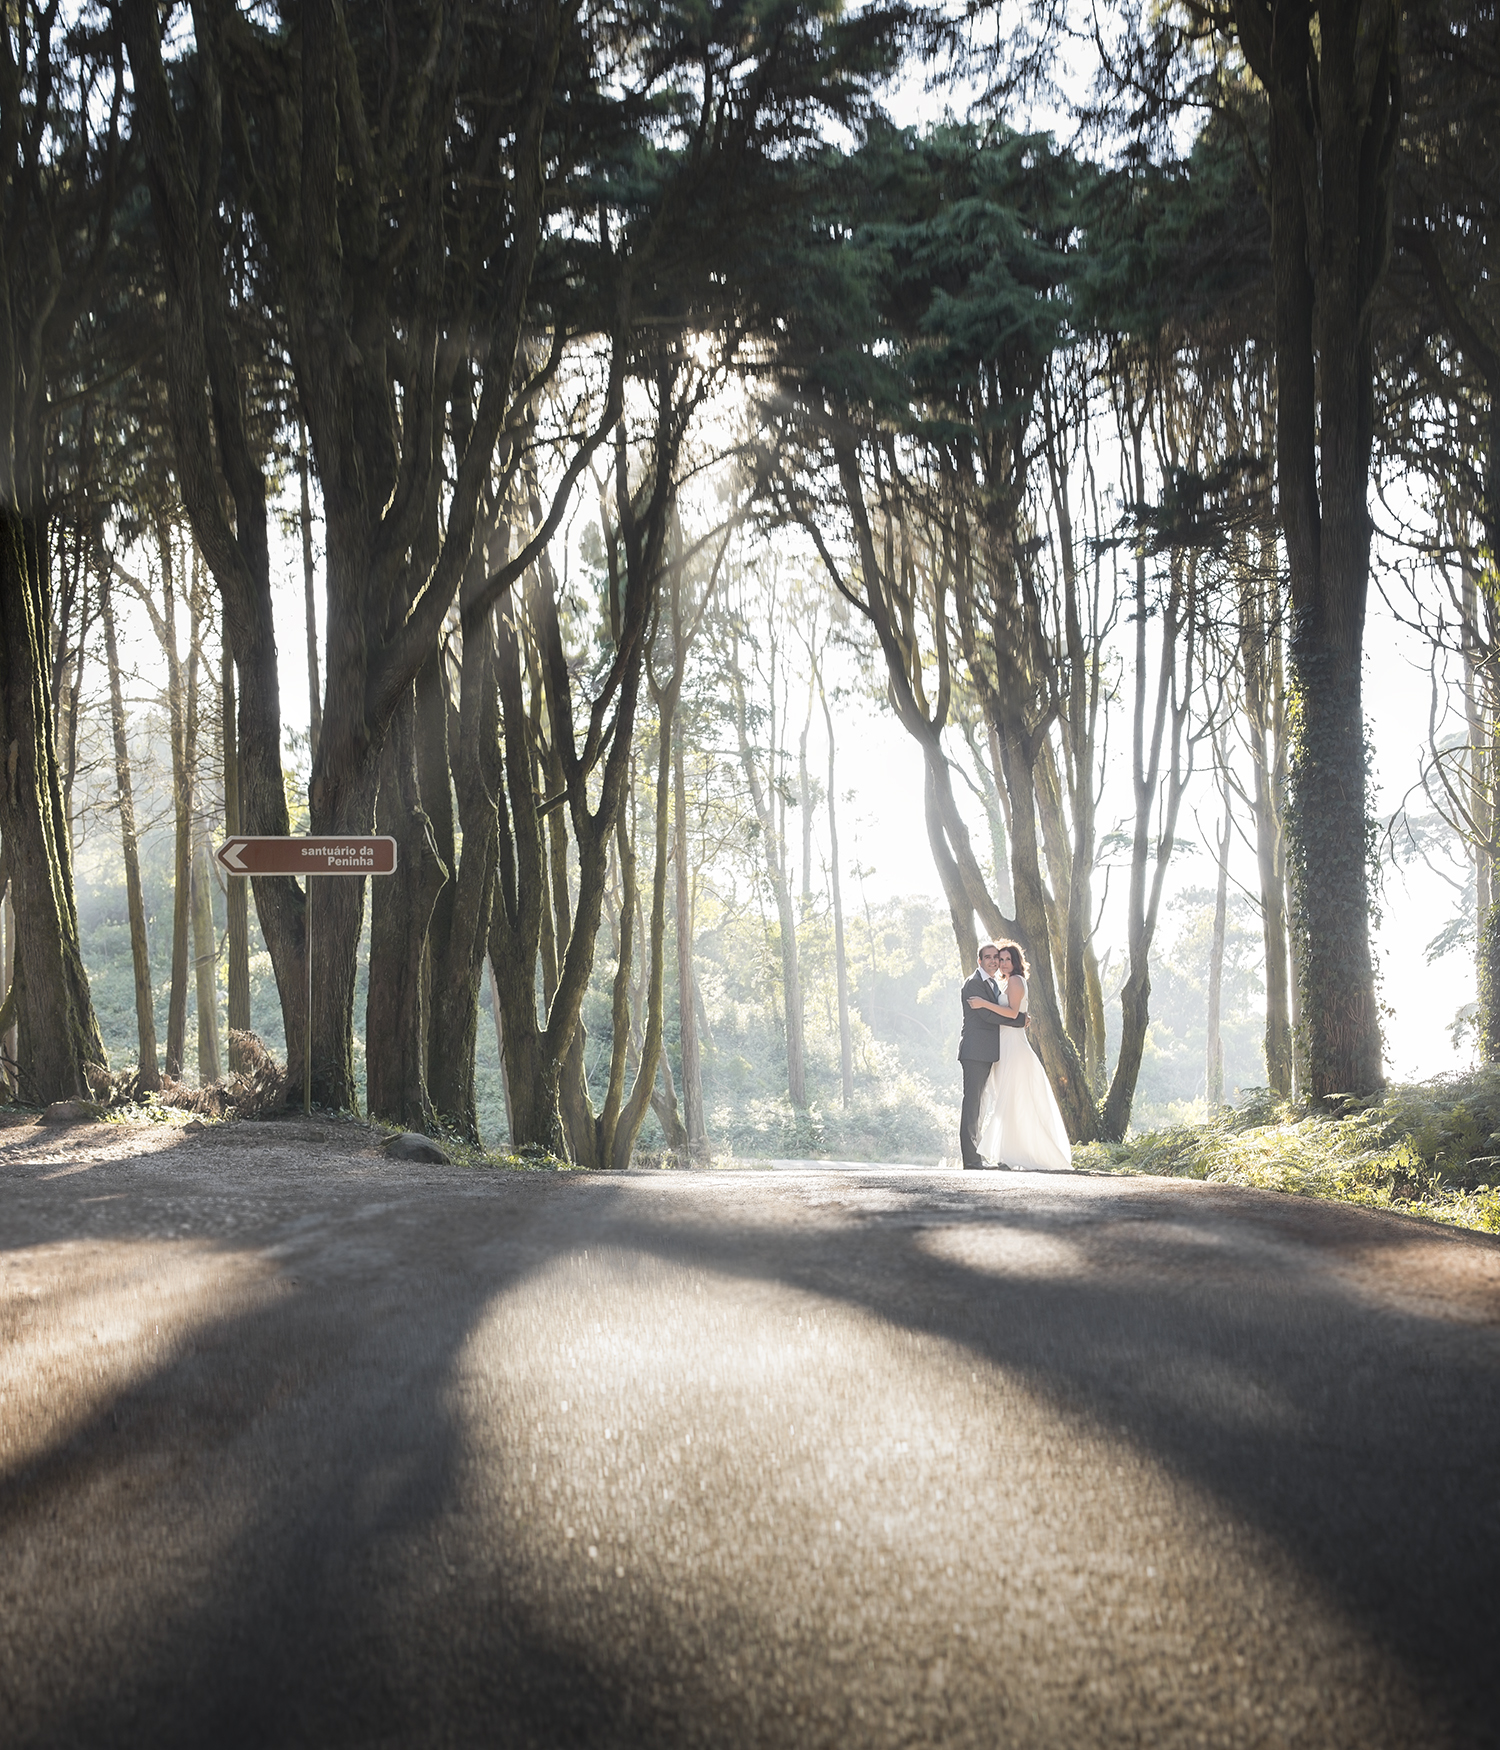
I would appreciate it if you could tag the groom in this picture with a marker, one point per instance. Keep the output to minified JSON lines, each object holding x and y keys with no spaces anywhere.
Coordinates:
{"x":979,"y":1046}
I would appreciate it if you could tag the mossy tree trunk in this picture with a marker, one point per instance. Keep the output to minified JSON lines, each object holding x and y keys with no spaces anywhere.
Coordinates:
{"x":58,"y":1038}
{"x":1333,"y":79}
{"x":60,"y":151}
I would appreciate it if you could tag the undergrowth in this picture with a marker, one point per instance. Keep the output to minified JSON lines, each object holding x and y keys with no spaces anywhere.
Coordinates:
{"x":1430,"y":1149}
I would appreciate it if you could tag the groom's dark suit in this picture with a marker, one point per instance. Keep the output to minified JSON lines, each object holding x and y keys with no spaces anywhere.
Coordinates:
{"x":978,"y":1048}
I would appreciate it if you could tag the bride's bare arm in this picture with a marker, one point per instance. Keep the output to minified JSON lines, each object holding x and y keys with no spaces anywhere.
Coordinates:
{"x":996,"y":1008}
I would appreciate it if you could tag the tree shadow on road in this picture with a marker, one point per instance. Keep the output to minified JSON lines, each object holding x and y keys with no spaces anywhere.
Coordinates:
{"x":254,"y":1527}
{"x":1238,"y":1339}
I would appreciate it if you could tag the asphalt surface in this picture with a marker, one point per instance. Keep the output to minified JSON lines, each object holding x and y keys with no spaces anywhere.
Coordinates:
{"x":299,"y":1446}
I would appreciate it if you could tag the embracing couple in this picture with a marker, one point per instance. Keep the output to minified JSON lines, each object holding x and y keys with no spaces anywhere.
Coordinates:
{"x":1010,"y":1117}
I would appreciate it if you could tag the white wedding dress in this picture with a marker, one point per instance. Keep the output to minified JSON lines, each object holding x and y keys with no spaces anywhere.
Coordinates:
{"x":1019,"y":1121}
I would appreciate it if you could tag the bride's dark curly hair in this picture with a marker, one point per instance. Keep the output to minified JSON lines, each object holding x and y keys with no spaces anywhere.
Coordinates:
{"x":1017,"y":958}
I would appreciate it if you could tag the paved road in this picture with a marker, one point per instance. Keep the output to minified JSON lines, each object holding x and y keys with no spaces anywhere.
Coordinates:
{"x":302,"y":1447}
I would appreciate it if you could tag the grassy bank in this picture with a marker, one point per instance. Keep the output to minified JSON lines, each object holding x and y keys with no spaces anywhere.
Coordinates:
{"x":1430,"y":1149}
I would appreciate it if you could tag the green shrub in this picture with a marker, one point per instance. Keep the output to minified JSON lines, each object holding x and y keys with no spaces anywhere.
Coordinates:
{"x":1428,"y":1148}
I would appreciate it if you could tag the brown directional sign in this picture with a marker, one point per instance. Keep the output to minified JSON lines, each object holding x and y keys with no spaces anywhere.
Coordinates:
{"x":343,"y":854}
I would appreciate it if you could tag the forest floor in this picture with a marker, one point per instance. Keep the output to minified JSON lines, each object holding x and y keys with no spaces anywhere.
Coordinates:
{"x":303,"y":1445}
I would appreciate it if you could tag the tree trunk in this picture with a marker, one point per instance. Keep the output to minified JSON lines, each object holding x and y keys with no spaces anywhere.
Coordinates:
{"x":1056,"y":1046}
{"x":791,"y":992}
{"x":219,"y":477}
{"x":1489,"y":984}
{"x":67,"y":668}
{"x":280,"y":905}
{"x":536,"y":1055}
{"x":1065,"y":918}
{"x":840,"y":956}
{"x":1330,"y":845}
{"x":948,"y":834}
{"x":396,"y":1032}
{"x":58,"y":1040}
{"x":347,"y":775}
{"x":309,"y":599}
{"x":1158,"y":787}
{"x":1301,"y":1088}
{"x":148,"y":1071}
{"x":1265,"y":714}
{"x":1271,"y":862}
{"x":1334,"y":94}
{"x":500,"y":1047}
{"x":1078,"y":732}
{"x":805,"y":802}
{"x":8,"y":1040}
{"x":633,"y":1114}
{"x":461,"y":922}
{"x":687,"y":1009}
{"x":764,"y":796}
{"x":601,"y":1141}
{"x":205,"y":961}
{"x":996,"y":805}
{"x":182,"y":809}
{"x":1213,"y":1069}
{"x":236,"y":898}
{"x":1480,"y":797}
{"x":532,"y":1075}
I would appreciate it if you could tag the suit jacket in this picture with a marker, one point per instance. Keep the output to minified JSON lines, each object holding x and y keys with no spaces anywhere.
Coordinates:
{"x":980,"y":1040}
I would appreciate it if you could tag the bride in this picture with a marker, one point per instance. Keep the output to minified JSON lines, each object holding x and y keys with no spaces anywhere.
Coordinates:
{"x":1020,"y":1125}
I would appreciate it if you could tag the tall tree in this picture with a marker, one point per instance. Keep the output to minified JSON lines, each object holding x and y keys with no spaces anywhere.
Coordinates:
{"x":909,"y":376}
{"x":760,"y":724}
{"x":836,"y":891}
{"x":178,"y":581}
{"x":1331,"y":74}
{"x":218,"y":422}
{"x":236,"y":900}
{"x":535,"y":915}
{"x":1213,"y":1056}
{"x":685,"y":879}
{"x":148,"y":1071}
{"x":61,"y":101}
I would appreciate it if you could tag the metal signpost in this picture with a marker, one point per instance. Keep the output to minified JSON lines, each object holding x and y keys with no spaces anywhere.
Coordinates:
{"x":343,"y":854}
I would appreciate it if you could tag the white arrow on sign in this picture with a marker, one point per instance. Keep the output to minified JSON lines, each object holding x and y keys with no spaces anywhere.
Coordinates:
{"x":232,"y":855}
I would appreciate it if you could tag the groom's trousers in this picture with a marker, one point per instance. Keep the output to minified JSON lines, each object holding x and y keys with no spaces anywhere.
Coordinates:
{"x":976,"y":1074}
